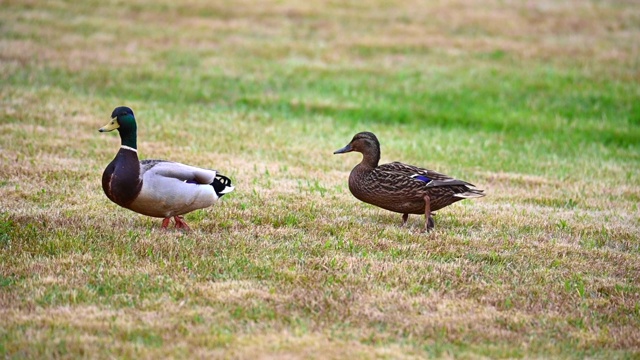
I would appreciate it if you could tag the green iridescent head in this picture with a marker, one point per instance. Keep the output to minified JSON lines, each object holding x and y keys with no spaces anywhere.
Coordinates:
{"x":122,"y":118}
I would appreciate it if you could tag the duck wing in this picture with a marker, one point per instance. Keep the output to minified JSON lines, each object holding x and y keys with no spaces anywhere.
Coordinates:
{"x":431,"y":177}
{"x":433,"y":180}
{"x":182,"y":172}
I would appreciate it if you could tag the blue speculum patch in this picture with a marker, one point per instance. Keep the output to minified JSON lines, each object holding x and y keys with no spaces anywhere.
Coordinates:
{"x":422,"y":178}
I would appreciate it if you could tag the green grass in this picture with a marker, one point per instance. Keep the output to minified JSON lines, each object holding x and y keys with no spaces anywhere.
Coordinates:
{"x":535,"y":103}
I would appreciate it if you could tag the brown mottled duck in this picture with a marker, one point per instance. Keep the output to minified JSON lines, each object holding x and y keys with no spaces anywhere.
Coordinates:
{"x":157,"y":188}
{"x":399,"y":187}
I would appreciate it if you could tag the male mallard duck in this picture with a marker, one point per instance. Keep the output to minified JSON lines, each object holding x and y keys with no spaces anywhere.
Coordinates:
{"x":399,"y":187}
{"x":156,"y":188}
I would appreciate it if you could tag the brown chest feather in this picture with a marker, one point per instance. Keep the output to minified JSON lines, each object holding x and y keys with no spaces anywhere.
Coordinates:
{"x":121,"y":178}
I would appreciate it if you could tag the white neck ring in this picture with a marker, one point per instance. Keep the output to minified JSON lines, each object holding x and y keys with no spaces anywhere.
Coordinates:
{"x":128,"y":148}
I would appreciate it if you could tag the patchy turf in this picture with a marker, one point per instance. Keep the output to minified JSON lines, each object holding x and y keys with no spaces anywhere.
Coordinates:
{"x":534,"y":102}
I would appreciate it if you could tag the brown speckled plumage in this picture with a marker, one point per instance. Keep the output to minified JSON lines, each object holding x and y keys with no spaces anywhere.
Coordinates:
{"x":399,"y":187}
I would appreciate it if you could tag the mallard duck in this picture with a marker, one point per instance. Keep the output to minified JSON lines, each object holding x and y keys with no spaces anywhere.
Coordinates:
{"x":399,"y":187}
{"x":156,"y":188}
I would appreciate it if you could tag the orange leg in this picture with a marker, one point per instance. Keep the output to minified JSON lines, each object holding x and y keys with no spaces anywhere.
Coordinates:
{"x":180,"y":223}
{"x":428,"y":220}
{"x":404,"y":219}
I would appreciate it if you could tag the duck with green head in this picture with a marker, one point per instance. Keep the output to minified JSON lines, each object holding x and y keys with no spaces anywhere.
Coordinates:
{"x":157,"y":188}
{"x":399,"y":187}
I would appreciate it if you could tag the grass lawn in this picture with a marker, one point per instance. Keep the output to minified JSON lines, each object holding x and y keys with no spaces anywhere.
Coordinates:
{"x":537,"y":102}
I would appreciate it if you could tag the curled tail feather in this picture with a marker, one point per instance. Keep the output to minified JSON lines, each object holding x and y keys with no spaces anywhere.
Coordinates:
{"x":222,"y":185}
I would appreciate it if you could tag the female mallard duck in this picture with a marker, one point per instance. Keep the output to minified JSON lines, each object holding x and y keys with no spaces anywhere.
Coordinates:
{"x":399,"y":187}
{"x":156,"y":188}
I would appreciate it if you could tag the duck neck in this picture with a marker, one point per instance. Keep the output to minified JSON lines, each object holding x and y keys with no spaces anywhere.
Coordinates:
{"x":371,"y":158}
{"x":129,"y":138}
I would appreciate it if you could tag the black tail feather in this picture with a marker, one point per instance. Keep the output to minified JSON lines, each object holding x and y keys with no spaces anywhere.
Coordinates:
{"x":220,"y":183}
